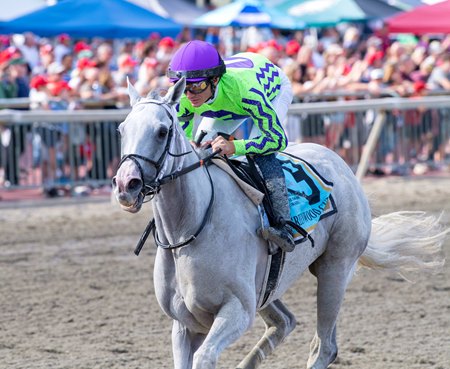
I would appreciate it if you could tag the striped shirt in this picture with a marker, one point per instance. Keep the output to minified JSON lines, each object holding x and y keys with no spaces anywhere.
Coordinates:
{"x":246,"y":90}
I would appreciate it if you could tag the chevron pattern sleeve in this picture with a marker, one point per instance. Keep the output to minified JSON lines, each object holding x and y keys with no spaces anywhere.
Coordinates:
{"x":273,"y":137}
{"x":186,"y":117}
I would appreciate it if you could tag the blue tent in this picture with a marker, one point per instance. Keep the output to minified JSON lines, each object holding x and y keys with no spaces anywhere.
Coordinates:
{"x":92,"y":18}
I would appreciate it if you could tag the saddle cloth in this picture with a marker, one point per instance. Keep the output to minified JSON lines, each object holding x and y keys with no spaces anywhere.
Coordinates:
{"x":309,"y":193}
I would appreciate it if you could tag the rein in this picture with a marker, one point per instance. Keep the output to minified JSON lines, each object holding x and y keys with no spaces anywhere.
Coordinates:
{"x":151,"y":227}
{"x":154,"y":186}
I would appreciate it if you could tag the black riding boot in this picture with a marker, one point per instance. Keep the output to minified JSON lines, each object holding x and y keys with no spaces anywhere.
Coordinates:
{"x":280,"y":234}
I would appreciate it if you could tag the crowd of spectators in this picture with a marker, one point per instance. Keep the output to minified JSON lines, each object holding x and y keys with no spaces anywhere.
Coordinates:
{"x":66,"y":73}
{"x":350,"y":59}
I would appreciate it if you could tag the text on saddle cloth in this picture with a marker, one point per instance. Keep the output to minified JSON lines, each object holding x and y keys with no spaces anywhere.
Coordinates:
{"x":309,"y":193}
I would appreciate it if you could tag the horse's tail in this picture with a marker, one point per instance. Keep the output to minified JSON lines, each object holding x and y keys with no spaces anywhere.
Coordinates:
{"x":405,"y":241}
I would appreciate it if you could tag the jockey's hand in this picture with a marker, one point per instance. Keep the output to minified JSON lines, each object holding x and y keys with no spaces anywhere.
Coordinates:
{"x":226,"y":147}
{"x":206,"y":144}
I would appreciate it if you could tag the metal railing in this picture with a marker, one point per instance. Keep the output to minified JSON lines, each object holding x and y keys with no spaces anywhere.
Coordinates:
{"x":389,"y":134}
{"x":41,"y":149}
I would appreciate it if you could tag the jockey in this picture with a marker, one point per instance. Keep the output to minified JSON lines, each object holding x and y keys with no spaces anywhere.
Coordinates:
{"x":246,"y":85}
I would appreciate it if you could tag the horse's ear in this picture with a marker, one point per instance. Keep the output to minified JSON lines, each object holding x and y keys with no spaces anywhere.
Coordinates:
{"x":132,"y":92}
{"x":173,"y":96}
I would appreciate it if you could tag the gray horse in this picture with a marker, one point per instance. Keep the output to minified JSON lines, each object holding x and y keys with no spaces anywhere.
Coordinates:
{"x":210,"y":269}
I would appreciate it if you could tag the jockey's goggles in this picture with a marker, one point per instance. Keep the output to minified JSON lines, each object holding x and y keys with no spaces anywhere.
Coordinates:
{"x":197,"y":88}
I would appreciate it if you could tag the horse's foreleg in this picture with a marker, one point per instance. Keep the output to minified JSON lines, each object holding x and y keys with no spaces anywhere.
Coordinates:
{"x":332,"y":281}
{"x":229,"y":324}
{"x":279,"y":323}
{"x":184,"y":344}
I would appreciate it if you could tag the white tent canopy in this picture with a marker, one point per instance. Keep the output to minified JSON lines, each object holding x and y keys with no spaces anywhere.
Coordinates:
{"x":14,"y":9}
{"x":180,"y":11}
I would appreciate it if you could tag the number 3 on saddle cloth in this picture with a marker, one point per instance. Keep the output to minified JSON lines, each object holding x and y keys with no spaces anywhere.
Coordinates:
{"x":309,"y":194}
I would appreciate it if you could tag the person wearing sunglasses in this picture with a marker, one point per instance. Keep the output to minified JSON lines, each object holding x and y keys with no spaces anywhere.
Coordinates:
{"x":226,"y":93}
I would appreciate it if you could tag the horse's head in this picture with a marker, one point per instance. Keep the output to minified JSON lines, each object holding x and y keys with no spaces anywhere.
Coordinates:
{"x":147,"y":136}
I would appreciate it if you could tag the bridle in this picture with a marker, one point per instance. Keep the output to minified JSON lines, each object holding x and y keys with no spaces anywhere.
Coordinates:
{"x":153,"y":187}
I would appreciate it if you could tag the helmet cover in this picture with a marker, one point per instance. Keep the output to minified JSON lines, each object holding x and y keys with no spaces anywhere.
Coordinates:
{"x":196,"y":60}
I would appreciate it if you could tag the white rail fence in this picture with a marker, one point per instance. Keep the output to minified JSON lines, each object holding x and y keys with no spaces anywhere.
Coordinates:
{"x":42,"y":149}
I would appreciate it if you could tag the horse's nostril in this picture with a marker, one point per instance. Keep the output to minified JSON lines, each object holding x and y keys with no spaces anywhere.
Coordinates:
{"x":134,"y":185}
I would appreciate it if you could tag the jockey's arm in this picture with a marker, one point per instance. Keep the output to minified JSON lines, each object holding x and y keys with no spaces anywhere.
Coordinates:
{"x":272,"y":138}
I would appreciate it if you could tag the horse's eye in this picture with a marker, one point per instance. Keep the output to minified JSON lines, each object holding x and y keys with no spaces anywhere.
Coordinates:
{"x":162,"y":132}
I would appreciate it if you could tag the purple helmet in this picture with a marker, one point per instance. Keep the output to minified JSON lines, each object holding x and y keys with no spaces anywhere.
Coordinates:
{"x":197,"y":61}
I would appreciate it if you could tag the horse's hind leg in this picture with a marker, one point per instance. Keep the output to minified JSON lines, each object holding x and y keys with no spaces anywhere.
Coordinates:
{"x":332,"y":283}
{"x":279,"y":323}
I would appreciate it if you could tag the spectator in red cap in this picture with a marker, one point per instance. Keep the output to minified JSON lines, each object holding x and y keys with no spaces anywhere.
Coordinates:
{"x":8,"y":54}
{"x":76,"y":77}
{"x":97,"y":85}
{"x":56,"y":84}
{"x":82,"y":50}
{"x":85,"y":63}
{"x":81,"y":46}
{"x":165,"y":51}
{"x":167,"y":42}
{"x":148,"y":76}
{"x":90,"y":87}
{"x":375,"y":59}
{"x":271,"y":50}
{"x":126,"y":69}
{"x":47,"y":57}
{"x":38,"y":81}
{"x":38,"y":92}
{"x":292,"y":48}
{"x":63,"y":38}
{"x":62,"y":46}
{"x":290,"y":53}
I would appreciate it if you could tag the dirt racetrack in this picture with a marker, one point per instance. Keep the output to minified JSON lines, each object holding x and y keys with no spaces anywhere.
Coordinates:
{"x":73,"y":294}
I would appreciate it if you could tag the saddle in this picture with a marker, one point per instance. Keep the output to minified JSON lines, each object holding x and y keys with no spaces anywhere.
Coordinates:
{"x":248,"y":172}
